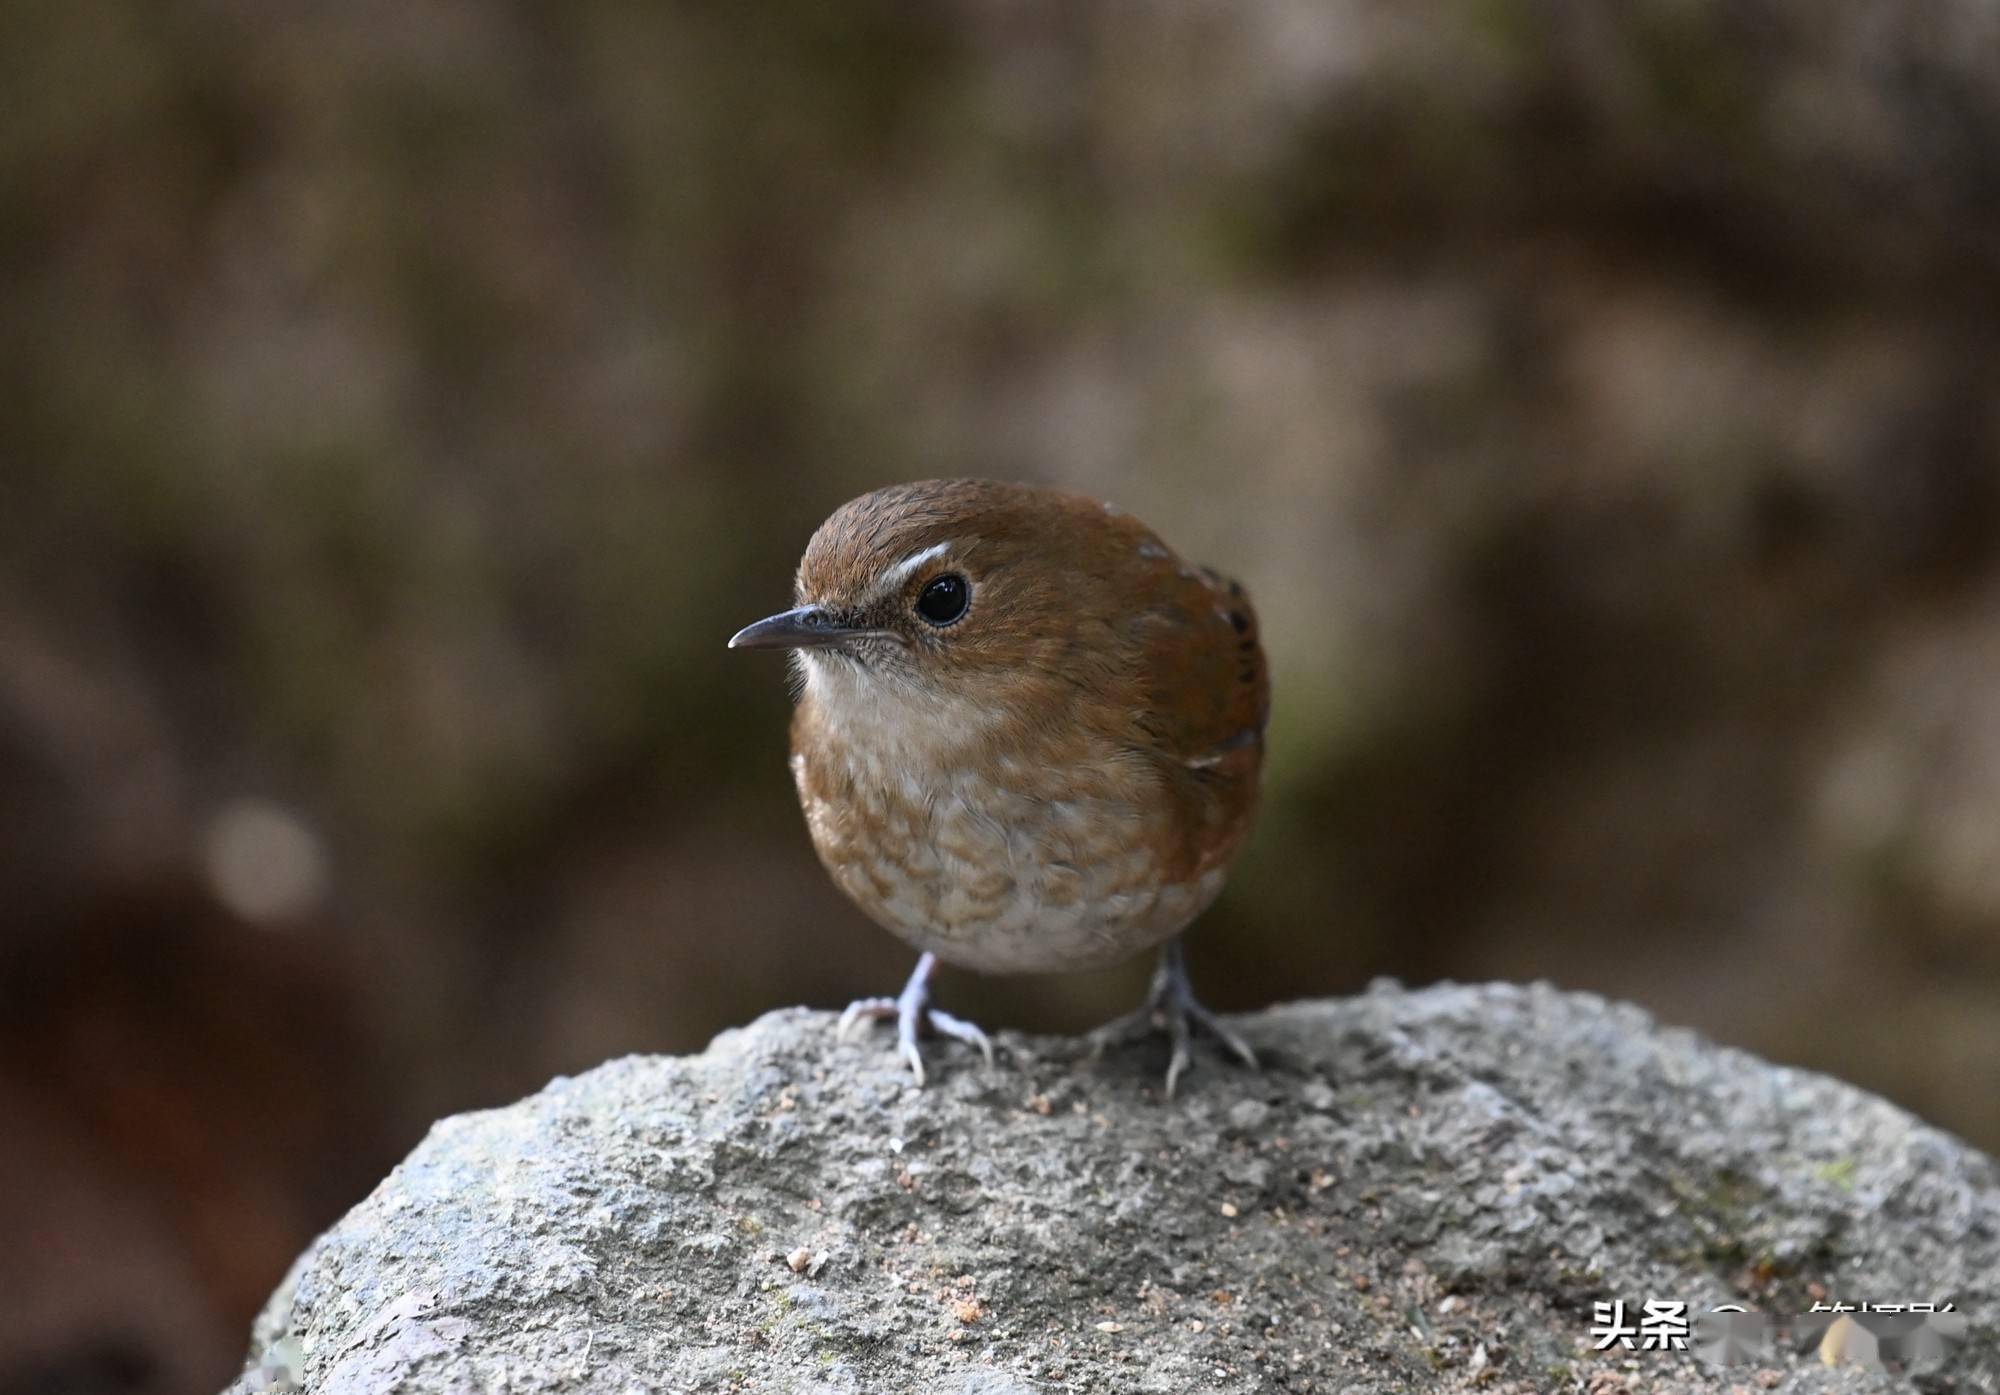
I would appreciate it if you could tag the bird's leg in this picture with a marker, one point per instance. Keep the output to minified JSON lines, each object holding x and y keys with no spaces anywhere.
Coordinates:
{"x":1171,"y":1007}
{"x":912,"y":1012}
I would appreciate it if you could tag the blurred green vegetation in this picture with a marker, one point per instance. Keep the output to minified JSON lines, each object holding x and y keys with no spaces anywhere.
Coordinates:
{"x":403,"y":406}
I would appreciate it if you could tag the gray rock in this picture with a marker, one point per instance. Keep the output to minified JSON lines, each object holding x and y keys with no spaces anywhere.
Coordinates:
{"x":1422,"y":1191}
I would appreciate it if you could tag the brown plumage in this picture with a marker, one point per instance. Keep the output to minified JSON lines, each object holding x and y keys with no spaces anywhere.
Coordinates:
{"x":1028,"y":735}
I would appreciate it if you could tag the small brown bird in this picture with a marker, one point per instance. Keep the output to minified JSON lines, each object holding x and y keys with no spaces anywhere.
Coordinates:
{"x":1028,"y":738}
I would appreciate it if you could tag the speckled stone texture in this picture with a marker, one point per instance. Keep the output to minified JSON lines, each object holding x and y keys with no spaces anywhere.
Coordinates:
{"x":1424,"y":1190}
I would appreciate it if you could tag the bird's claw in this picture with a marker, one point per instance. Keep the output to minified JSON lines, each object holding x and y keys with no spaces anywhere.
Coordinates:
{"x":1184,"y":1015}
{"x":958,"y":1029}
{"x":863,"y":1010}
{"x":1171,"y":1007}
{"x":906,"y":1047}
{"x":912,"y":1013}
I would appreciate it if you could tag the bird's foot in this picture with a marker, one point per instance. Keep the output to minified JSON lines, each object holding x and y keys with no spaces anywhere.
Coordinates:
{"x":1171,"y":1007}
{"x":912,"y":1013}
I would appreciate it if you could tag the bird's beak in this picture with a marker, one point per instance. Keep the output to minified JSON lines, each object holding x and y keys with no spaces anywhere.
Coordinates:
{"x":807,"y":627}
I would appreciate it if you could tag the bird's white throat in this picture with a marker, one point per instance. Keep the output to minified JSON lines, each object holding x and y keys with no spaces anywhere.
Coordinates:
{"x":888,"y":715}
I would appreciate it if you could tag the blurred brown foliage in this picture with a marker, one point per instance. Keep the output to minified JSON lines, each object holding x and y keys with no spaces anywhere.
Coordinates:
{"x":403,"y":403}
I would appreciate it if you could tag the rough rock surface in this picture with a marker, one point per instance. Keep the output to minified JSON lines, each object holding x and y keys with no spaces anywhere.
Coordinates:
{"x":1424,"y":1190}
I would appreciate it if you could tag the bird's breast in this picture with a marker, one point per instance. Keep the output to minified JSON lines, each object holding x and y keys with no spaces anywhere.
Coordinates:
{"x":1003,"y":863}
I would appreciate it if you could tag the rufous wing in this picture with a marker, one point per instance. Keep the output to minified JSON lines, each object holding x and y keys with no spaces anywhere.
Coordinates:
{"x":1205,"y":696}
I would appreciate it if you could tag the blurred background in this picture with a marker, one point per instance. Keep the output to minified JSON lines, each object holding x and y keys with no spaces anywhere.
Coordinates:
{"x":402,"y":405}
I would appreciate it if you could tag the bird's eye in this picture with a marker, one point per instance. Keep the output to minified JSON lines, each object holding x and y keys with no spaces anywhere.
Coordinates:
{"x":944,"y":600}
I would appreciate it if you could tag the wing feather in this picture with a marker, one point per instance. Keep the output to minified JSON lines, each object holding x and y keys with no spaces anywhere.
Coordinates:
{"x":1205,"y":697}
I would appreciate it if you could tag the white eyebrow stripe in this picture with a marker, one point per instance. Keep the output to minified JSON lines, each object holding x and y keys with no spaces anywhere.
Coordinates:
{"x":894,"y":575}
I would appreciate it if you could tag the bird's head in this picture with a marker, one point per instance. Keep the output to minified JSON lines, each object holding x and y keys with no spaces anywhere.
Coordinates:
{"x":972,"y":594}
